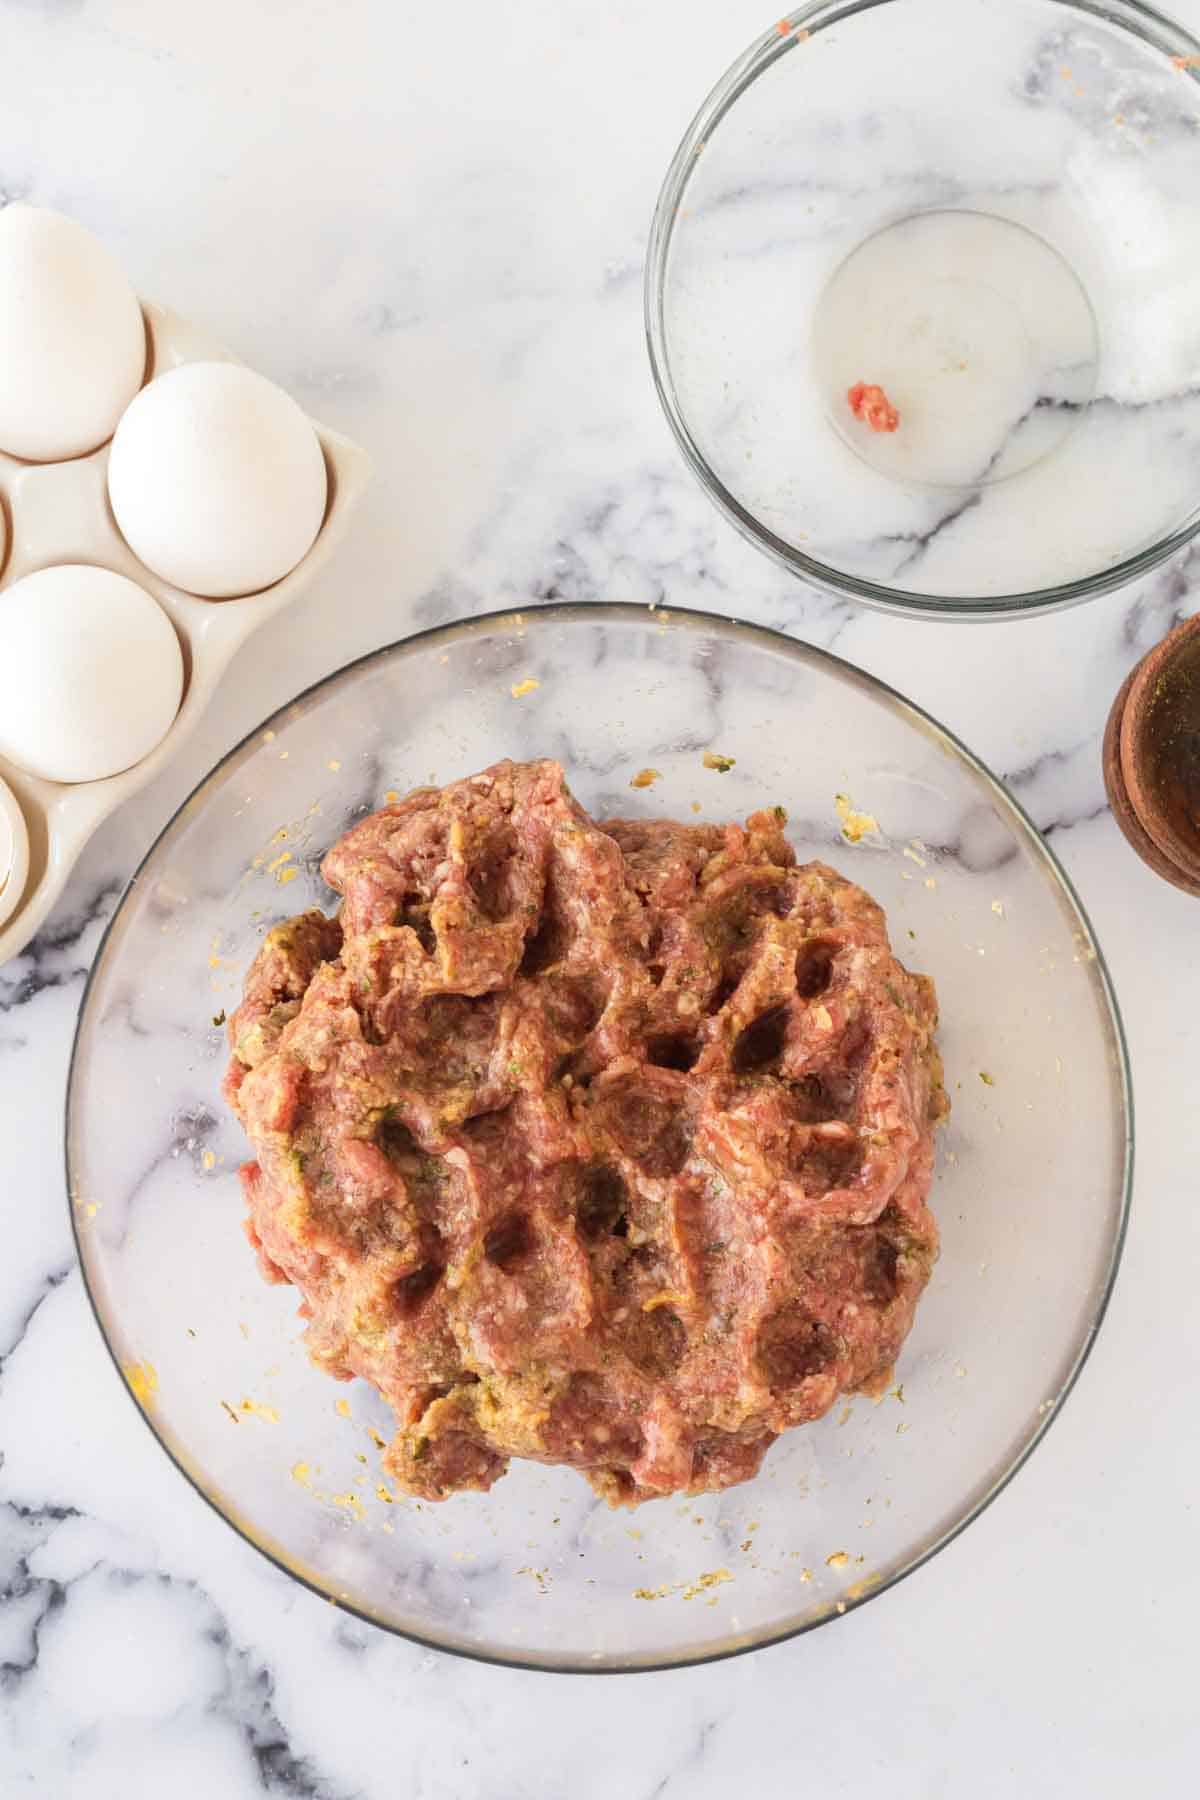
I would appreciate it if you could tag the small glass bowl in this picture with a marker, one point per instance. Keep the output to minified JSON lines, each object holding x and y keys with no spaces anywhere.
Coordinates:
{"x":988,"y":209}
{"x":1031,"y":1192}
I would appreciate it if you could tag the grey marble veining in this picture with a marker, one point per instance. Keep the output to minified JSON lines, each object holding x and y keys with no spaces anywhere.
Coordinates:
{"x":432,"y":231}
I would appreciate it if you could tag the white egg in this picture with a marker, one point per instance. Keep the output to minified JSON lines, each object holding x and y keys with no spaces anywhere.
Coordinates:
{"x":72,"y":335}
{"x":217,"y":480}
{"x":91,"y":673}
{"x":14,"y":853}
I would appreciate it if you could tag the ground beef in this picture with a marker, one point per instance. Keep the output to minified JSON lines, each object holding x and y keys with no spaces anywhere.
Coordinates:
{"x":605,"y":1144}
{"x":869,"y":403}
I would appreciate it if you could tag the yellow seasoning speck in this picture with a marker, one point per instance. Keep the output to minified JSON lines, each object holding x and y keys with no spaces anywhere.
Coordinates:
{"x":522,"y":688}
{"x":143,"y":1380}
{"x":710,"y":1579}
{"x":855,"y":825}
{"x":837,"y":1560}
{"x":257,"y":1411}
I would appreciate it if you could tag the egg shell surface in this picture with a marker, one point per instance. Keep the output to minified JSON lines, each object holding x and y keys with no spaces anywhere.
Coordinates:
{"x":72,"y":337}
{"x":91,"y":673}
{"x":14,"y":852}
{"x":217,"y":480}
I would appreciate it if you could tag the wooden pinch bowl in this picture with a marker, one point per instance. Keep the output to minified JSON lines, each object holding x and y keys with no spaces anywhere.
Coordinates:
{"x":1152,"y":757}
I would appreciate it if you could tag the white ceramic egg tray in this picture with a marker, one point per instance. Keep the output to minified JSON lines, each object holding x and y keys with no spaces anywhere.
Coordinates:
{"x":59,"y":513}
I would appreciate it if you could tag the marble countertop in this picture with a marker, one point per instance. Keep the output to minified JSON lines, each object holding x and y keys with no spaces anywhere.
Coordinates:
{"x":430,"y":227}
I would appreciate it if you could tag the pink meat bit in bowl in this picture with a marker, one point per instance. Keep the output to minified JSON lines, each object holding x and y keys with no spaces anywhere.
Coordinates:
{"x":868,"y":402}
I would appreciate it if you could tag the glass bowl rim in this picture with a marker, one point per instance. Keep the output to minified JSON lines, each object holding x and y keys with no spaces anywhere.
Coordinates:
{"x":1129,"y":16}
{"x":726,"y":625}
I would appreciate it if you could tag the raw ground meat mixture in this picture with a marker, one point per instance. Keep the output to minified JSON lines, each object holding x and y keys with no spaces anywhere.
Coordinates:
{"x":868,"y":402}
{"x":605,"y":1144}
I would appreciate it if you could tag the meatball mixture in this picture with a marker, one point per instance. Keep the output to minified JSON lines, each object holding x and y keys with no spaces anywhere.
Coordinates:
{"x":604,"y":1143}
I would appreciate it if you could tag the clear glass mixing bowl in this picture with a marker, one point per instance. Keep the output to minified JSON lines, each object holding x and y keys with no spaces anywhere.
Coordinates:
{"x":1031,"y":1190}
{"x":988,"y":208}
